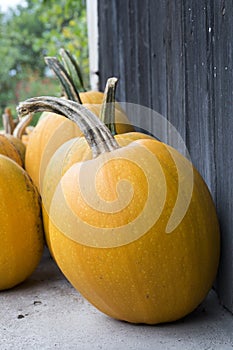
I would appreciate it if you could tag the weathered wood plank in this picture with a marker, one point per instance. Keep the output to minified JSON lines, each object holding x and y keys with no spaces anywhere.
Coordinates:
{"x":158,"y":66}
{"x":222,"y":74}
{"x":175,"y":67}
{"x":108,"y":50}
{"x":176,"y":58}
{"x":200,"y":121}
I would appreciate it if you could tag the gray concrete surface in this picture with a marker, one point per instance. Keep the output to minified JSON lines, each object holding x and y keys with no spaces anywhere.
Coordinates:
{"x":46,"y":312}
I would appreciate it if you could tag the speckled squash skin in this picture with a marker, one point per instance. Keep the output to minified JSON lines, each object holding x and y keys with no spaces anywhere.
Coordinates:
{"x":21,"y":229}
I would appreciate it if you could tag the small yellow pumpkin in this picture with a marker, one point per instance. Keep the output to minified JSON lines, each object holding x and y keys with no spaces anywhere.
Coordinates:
{"x":134,"y":229}
{"x":16,"y":136}
{"x":19,"y":145}
{"x":8,"y":149}
{"x":21,"y":230}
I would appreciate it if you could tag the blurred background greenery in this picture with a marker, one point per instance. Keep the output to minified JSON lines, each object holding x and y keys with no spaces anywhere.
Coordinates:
{"x":30,"y":31}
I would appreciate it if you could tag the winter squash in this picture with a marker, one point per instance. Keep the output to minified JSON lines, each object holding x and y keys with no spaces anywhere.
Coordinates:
{"x":8,"y":149}
{"x":21,"y":230}
{"x":125,"y":228}
{"x":14,"y":135}
{"x":19,"y":145}
{"x":17,"y":137}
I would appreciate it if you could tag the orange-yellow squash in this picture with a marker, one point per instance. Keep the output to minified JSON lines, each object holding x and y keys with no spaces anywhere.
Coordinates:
{"x":134,"y":229}
{"x":8,"y":149}
{"x":21,"y":230}
{"x":19,"y":145}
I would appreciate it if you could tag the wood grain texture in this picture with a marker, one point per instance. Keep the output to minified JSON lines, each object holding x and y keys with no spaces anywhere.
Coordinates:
{"x":176,"y":58}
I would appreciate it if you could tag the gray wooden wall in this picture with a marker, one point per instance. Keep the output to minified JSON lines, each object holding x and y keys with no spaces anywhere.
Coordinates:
{"x":175,"y":56}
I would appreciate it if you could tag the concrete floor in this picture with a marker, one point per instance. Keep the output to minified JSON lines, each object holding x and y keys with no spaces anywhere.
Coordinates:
{"x":46,"y":312}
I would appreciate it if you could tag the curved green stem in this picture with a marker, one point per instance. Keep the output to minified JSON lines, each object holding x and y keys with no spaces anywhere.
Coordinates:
{"x":107,"y":113}
{"x":96,"y":133}
{"x":65,"y":79}
{"x":72,"y":67}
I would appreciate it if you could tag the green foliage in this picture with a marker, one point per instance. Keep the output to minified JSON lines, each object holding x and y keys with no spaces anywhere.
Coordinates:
{"x":34,"y":30}
{"x":64,"y":26}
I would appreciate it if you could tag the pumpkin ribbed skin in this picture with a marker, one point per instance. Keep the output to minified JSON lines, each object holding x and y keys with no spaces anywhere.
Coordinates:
{"x":159,"y":277}
{"x":21,"y":231}
{"x":8,"y":149}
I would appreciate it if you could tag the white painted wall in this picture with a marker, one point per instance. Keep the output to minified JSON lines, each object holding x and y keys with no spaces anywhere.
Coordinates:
{"x":93,"y":42}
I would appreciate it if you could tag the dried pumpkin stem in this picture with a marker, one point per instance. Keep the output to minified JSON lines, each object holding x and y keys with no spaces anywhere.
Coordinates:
{"x":96,"y":133}
{"x":8,"y":121}
{"x":107,"y":114}
{"x":21,"y":126}
{"x":64,"y":77}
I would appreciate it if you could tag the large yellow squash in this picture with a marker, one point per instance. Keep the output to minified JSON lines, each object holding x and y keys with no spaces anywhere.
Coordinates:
{"x":21,"y":232}
{"x":134,"y":229}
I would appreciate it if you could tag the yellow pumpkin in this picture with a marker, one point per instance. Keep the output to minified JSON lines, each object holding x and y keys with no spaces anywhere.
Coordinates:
{"x":134,"y":229}
{"x":16,"y":137}
{"x":8,"y":149}
{"x":19,"y":145}
{"x":21,"y":232}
